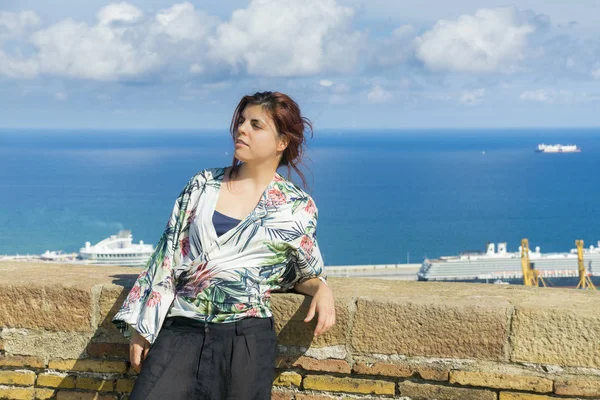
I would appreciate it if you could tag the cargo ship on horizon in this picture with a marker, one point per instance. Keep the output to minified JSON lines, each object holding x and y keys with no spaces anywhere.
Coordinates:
{"x":501,"y":266}
{"x":557,"y":148}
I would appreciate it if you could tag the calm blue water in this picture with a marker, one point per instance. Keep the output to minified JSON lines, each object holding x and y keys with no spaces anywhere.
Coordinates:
{"x":383,"y":196}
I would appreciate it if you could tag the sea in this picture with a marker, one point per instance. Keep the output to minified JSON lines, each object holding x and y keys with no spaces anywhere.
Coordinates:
{"x":384,"y":196}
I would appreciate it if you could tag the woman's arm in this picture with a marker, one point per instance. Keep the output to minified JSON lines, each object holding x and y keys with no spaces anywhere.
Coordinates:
{"x":309,"y":286}
{"x":322,"y":303}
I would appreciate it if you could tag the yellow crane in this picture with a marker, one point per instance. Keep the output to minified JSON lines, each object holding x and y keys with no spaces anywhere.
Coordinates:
{"x":584,"y":280}
{"x":531,"y":277}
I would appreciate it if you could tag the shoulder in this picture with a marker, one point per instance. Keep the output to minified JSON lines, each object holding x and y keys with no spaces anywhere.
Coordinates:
{"x":300,"y":201}
{"x":206,"y":175}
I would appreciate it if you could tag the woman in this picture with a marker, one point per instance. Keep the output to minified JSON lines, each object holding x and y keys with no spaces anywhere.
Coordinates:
{"x":199,"y":315}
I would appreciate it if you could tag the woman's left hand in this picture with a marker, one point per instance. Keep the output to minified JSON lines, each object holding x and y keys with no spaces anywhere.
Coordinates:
{"x":322,"y":303}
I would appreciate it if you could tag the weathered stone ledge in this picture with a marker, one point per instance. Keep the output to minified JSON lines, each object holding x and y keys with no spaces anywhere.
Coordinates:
{"x":392,"y":338}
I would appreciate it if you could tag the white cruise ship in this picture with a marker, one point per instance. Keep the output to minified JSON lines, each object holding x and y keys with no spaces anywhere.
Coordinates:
{"x":557,"y":148}
{"x":57,"y":255}
{"x":117,"y":250}
{"x":557,"y":269}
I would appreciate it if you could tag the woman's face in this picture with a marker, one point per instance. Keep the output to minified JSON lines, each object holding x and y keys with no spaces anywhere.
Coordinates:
{"x":257,"y":130}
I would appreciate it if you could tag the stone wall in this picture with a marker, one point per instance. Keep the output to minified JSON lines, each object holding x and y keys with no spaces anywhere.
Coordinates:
{"x":392,"y":339}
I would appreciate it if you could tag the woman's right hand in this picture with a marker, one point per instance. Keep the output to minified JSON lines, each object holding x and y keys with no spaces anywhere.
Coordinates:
{"x":138,"y":349}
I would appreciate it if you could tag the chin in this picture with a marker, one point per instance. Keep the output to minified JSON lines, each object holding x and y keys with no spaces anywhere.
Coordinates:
{"x":241,"y":158}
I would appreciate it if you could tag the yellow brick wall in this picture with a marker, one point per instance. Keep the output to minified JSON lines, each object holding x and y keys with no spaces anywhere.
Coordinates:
{"x":305,"y":378}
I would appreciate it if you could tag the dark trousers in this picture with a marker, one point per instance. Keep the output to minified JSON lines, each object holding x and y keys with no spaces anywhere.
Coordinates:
{"x":194,"y":360}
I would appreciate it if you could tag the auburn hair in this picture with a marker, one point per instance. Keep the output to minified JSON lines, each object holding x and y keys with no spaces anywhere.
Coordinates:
{"x":288,"y":121}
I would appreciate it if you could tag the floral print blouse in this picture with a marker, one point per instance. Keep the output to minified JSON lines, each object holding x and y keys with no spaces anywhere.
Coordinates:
{"x":197,"y":274}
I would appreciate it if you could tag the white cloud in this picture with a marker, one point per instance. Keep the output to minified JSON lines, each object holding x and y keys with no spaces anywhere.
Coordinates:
{"x":287,"y":38}
{"x":378,"y":95}
{"x":196,"y":68}
{"x":15,"y":24}
{"x":61,"y":96}
{"x":539,"y":95}
{"x":17,"y":68}
{"x":554,"y":96}
{"x":403,"y":31}
{"x":99,"y":52}
{"x":183,"y":22}
{"x":121,"y":45}
{"x":119,"y":12}
{"x":490,"y":40}
{"x":472,"y":97}
{"x":596,"y":73}
{"x":333,"y":93}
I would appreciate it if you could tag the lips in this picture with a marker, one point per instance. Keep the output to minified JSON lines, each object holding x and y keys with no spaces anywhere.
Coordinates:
{"x":241,"y":141}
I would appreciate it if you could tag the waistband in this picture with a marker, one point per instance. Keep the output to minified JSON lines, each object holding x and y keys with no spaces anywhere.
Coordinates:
{"x":240,"y":327}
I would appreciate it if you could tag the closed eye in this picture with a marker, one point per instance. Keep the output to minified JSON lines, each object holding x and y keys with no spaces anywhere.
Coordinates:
{"x":254,"y":122}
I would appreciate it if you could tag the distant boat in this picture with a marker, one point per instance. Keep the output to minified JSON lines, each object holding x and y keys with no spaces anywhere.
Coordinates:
{"x":557,"y":148}
{"x":55,"y":255}
{"x":117,"y":250}
{"x":557,"y":269}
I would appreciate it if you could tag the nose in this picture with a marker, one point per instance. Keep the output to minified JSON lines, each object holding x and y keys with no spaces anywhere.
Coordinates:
{"x":242,"y":129}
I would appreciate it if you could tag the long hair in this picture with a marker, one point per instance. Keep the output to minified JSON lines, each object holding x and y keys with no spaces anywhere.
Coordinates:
{"x":289,"y":122}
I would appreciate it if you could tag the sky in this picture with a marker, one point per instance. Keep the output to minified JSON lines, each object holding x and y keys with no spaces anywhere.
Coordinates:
{"x":350,"y":64}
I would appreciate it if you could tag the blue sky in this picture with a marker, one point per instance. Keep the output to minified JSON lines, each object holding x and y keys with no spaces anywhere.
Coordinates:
{"x":349,"y":64}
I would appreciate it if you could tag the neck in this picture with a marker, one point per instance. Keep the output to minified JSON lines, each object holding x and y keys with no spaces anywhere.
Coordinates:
{"x":260,"y":174}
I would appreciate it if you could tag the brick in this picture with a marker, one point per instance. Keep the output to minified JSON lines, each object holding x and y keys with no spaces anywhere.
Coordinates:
{"x":21,"y":361}
{"x":288,"y":379}
{"x":501,"y":381}
{"x":422,"y":391}
{"x":350,"y":385}
{"x":312,"y":364}
{"x":56,"y":381}
{"x":119,"y":350}
{"x":524,"y":396}
{"x":125,"y":385}
{"x":433,"y":373}
{"x":17,"y":393}
{"x":88,"y":365}
{"x":94,"y":384}
{"x":577,"y":387}
{"x":44,"y":394}
{"x":378,"y":368}
{"x":17,"y":378}
{"x":66,"y":395}
{"x":281,"y":396}
{"x":302,"y":396}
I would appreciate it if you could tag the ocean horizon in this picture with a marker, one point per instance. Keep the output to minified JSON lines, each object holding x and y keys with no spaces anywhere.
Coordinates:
{"x":384,"y":196}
